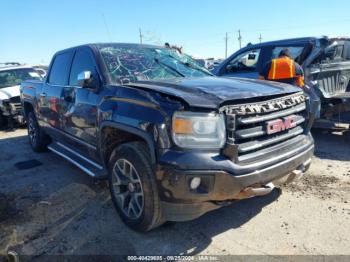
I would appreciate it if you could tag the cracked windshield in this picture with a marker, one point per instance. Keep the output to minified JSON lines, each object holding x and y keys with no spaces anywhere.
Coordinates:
{"x":131,"y":64}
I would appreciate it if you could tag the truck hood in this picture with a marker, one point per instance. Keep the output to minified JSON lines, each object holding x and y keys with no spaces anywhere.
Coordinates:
{"x":211,"y":92}
{"x":8,"y":92}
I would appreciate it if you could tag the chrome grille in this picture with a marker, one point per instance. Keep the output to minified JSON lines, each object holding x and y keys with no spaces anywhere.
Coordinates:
{"x":16,"y":107}
{"x":15,"y":104}
{"x":247,"y":123}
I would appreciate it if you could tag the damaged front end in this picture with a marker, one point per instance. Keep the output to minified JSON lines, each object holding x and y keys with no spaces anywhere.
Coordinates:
{"x":11,"y":110}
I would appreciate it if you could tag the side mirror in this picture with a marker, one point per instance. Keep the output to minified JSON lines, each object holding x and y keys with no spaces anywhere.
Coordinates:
{"x":86,"y":80}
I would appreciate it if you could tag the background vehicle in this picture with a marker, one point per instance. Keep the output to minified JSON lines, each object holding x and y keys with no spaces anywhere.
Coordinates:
{"x":173,"y":140}
{"x":326,"y":62}
{"x":11,"y":76}
{"x":208,"y":63}
{"x":41,"y":70}
{"x":213,"y":63}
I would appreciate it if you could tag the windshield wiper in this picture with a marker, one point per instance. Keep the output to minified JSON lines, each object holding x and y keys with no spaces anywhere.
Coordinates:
{"x":168,"y":67}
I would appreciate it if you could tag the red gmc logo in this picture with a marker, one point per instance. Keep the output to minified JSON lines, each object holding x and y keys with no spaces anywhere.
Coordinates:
{"x":279,"y":125}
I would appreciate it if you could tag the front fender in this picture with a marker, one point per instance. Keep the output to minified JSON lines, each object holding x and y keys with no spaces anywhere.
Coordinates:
{"x":144,"y":114}
{"x":132,"y":130}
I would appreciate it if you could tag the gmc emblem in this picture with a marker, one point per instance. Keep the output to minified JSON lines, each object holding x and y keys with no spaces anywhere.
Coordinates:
{"x":279,"y":125}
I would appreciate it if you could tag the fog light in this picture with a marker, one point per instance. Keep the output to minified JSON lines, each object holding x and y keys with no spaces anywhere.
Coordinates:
{"x":195,"y":182}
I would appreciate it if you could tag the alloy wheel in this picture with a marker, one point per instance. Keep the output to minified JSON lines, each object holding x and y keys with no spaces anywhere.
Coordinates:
{"x":32,"y":131}
{"x":127,"y":189}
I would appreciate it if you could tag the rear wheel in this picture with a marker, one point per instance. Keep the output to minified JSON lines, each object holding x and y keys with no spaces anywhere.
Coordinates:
{"x":3,"y":120}
{"x":37,"y":138}
{"x":133,"y":187}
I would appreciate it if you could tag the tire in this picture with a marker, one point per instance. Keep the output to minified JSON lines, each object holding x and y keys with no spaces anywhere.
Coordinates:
{"x":346,"y":135}
{"x":38,"y":140}
{"x":3,"y":121}
{"x":133,"y":187}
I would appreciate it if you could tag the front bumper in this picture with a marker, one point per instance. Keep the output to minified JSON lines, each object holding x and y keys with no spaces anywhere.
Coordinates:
{"x":221,"y":179}
{"x":13,"y":111}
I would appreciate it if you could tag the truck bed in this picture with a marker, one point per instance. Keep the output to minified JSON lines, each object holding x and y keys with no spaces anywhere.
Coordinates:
{"x":29,"y":89}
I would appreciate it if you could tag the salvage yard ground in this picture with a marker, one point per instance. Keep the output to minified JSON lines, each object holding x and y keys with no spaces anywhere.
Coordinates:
{"x":54,"y":208}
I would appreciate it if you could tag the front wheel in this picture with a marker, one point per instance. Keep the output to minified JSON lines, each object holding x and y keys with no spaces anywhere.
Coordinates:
{"x":38,"y":140}
{"x":133,"y":187}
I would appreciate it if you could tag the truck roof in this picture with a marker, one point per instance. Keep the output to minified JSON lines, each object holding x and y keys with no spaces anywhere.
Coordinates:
{"x":295,"y":41}
{"x":127,"y":45}
{"x":97,"y":45}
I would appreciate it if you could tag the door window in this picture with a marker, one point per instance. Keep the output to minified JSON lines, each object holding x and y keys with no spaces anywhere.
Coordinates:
{"x":346,"y":53}
{"x":247,"y":61}
{"x":60,"y":69}
{"x":333,"y":53}
{"x":295,"y":51}
{"x":83,"y":61}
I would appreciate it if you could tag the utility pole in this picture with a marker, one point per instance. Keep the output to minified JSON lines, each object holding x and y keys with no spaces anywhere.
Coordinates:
{"x":140,"y":34}
{"x":226,"y":38}
{"x":260,"y":38}
{"x":240,"y":39}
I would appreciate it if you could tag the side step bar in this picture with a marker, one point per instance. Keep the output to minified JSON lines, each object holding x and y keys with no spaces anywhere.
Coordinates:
{"x":87,"y":165}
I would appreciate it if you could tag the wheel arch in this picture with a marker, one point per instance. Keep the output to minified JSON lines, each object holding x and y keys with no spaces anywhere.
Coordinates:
{"x":27,"y":107}
{"x":118,"y":134}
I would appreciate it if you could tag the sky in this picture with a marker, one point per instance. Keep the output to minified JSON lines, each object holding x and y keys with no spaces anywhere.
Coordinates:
{"x":33,"y":30}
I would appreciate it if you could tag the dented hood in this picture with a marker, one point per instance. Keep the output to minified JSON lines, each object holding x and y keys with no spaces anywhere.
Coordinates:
{"x":211,"y":92}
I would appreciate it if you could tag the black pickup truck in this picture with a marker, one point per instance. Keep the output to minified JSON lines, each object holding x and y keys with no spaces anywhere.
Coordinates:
{"x":173,"y":140}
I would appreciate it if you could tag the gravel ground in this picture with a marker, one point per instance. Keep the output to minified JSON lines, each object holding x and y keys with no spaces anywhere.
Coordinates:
{"x":54,"y":208}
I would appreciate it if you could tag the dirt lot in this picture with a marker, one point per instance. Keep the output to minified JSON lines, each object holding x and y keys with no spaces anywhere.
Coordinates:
{"x":54,"y":208}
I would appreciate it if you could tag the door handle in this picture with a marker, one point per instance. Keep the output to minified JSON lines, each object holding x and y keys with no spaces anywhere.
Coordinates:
{"x":43,"y":94}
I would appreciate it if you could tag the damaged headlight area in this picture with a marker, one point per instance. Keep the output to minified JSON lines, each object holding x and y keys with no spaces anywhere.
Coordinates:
{"x":199,"y":130}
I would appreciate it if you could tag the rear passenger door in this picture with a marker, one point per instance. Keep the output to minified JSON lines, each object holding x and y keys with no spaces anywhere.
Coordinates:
{"x":49,"y":98}
{"x":79,"y":105}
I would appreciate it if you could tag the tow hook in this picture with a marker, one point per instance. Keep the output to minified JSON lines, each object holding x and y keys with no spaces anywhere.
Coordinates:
{"x":294,"y":175}
{"x":255,"y":191}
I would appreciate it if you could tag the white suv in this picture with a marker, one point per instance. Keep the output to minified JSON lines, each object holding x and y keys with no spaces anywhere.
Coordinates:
{"x":11,"y":76}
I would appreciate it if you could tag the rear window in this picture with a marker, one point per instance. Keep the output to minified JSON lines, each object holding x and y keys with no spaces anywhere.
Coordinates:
{"x":13,"y":77}
{"x":60,"y":69}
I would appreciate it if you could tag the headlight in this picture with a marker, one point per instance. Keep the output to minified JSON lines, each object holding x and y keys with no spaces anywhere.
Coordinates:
{"x":199,"y":130}
{"x":6,"y":108}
